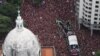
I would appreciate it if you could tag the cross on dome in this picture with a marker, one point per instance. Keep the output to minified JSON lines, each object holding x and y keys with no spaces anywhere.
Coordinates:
{"x":18,"y":12}
{"x":19,"y":22}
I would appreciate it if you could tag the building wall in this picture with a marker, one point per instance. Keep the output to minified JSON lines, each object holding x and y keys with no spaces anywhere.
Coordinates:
{"x":89,"y":13}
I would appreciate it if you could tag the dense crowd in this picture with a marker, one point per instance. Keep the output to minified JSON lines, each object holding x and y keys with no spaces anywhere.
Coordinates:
{"x":41,"y":21}
{"x":88,"y":43}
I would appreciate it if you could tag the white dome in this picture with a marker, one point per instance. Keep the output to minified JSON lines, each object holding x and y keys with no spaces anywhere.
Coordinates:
{"x":21,"y":42}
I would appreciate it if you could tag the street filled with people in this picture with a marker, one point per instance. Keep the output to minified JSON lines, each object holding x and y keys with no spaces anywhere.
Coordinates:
{"x":41,"y":21}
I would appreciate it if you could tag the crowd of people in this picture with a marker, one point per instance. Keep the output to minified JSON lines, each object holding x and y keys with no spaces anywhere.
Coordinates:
{"x":88,"y":43}
{"x":42,"y":22}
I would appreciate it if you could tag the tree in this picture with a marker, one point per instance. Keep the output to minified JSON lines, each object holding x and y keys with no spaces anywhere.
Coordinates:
{"x":14,"y":2}
{"x":37,"y":2}
{"x":8,"y":14}
{"x":5,"y":24}
{"x":9,"y":10}
{"x":98,"y":53}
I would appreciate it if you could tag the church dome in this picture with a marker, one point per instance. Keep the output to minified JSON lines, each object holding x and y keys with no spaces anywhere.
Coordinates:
{"x":21,"y":40}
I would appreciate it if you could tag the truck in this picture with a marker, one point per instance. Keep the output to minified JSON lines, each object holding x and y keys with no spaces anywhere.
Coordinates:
{"x":73,"y":45}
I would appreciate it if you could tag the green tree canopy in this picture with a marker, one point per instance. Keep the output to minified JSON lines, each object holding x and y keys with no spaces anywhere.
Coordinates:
{"x":8,"y":14}
{"x":37,"y":2}
{"x":5,"y":23}
{"x":15,"y":2}
{"x":98,"y":53}
{"x":9,"y":10}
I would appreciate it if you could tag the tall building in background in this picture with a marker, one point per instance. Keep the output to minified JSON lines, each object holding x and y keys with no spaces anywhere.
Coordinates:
{"x":2,"y":2}
{"x":88,"y":13}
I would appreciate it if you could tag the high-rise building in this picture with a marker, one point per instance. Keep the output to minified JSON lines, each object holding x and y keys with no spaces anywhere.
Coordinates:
{"x":2,"y":2}
{"x":88,"y":13}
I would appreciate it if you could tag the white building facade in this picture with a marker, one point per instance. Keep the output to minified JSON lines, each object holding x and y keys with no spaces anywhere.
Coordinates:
{"x":88,"y":13}
{"x":2,"y":2}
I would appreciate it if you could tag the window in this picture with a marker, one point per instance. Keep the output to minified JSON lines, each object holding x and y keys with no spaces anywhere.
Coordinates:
{"x":86,"y":3}
{"x":83,"y":5}
{"x":97,"y":2}
{"x":96,"y":14}
{"x":85,"y":19}
{"x":85,"y":15}
{"x":96,"y":6}
{"x":90,"y":0}
{"x":86,"y":11}
{"x":86,"y":7}
{"x":95,"y":18}
{"x":89,"y":16}
{"x":88,"y":20}
{"x":90,"y":4}
{"x":95,"y":22}
{"x":96,"y":10}
{"x":90,"y":8}
{"x":89,"y":12}
{"x":83,"y":9}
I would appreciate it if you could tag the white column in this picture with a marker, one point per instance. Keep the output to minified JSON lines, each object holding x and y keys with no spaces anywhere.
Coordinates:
{"x":79,"y":24}
{"x":91,"y":29}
